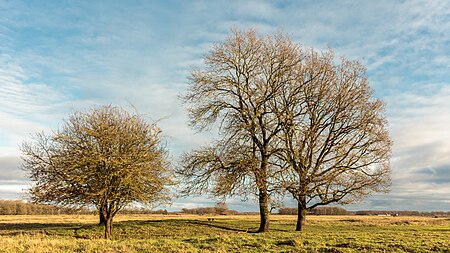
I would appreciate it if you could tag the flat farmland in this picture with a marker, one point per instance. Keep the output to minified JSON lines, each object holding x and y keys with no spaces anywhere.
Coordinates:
{"x":190,"y":233}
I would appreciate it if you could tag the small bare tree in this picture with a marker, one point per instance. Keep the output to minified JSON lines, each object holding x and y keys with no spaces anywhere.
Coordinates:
{"x":106,"y":157}
{"x":236,"y":92}
{"x":336,"y":147}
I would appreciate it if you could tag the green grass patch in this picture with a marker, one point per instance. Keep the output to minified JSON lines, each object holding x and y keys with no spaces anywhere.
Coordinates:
{"x":227,"y":234}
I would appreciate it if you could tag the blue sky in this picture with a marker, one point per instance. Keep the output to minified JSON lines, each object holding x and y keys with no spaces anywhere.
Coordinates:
{"x":61,"y":56}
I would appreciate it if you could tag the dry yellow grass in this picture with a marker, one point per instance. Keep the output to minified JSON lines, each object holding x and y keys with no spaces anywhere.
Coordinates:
{"x":194,"y":233}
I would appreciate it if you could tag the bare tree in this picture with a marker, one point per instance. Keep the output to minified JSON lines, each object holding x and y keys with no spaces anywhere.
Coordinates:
{"x":106,"y":157}
{"x":289,"y":119}
{"x":236,"y":91}
{"x":336,"y":147}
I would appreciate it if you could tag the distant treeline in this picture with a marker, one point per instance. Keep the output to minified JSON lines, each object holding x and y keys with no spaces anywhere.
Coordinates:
{"x":402,"y":213}
{"x":332,"y":210}
{"x":221,"y":208}
{"x":142,"y":211}
{"x":18,"y":207}
{"x":208,"y":210}
{"x":322,"y":210}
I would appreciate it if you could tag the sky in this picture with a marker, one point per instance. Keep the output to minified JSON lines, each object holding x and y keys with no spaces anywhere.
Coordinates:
{"x":57,"y":57}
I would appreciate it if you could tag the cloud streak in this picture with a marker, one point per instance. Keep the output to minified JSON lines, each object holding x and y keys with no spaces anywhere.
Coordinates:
{"x":57,"y":57}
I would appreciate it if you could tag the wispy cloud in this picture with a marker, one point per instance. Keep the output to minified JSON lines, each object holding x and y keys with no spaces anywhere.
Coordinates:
{"x":421,"y":153}
{"x":56,"y":57}
{"x":419,"y":126}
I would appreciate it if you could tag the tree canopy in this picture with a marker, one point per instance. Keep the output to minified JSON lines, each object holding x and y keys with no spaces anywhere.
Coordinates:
{"x":106,"y":157}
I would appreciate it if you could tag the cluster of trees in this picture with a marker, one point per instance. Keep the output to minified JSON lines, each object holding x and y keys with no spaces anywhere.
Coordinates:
{"x":221,"y":208}
{"x":320,"y":210}
{"x":18,"y":207}
{"x":208,"y":210}
{"x":290,"y":120}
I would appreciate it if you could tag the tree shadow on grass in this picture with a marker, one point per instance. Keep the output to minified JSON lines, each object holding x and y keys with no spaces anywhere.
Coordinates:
{"x":211,"y":224}
{"x":89,"y":231}
{"x":181,"y":222}
{"x":14,"y":229}
{"x":250,"y":231}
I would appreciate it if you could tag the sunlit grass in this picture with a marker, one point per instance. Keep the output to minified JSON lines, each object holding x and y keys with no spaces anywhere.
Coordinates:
{"x":190,"y":233}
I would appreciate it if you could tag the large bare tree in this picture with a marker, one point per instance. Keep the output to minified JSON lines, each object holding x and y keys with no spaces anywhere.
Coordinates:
{"x":289,"y":119}
{"x":236,"y":92}
{"x":105,"y":157}
{"x":336,"y":147}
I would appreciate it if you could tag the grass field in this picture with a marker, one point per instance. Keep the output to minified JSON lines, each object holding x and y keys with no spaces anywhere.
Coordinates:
{"x":171,"y":233}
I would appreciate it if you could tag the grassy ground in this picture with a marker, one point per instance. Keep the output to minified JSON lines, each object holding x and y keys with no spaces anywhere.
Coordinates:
{"x":166,"y":233}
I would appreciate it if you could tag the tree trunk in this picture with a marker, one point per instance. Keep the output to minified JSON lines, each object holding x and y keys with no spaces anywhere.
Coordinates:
{"x":108,"y":228}
{"x":263,"y":211}
{"x":102,"y":218}
{"x":301,"y":214}
{"x":107,"y":219}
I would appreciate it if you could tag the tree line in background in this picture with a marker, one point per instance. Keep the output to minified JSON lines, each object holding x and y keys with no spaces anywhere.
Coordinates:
{"x":221,"y":208}
{"x":321,"y":210}
{"x":18,"y":207}
{"x":290,"y":121}
{"x":402,"y":213}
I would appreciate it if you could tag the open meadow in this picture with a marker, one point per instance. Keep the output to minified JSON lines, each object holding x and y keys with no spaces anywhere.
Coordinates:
{"x":190,"y":233}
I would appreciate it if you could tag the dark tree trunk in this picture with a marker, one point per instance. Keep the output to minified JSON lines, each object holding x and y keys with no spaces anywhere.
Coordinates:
{"x":107,"y":217}
{"x":301,"y":214}
{"x":261,"y":181}
{"x":108,"y":228}
{"x":102,"y":218}
{"x":263,"y":211}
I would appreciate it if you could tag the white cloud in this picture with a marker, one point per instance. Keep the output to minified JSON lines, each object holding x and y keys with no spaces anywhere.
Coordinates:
{"x":421,"y":157}
{"x":97,"y":53}
{"x":24,"y":107}
{"x":418,"y":120}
